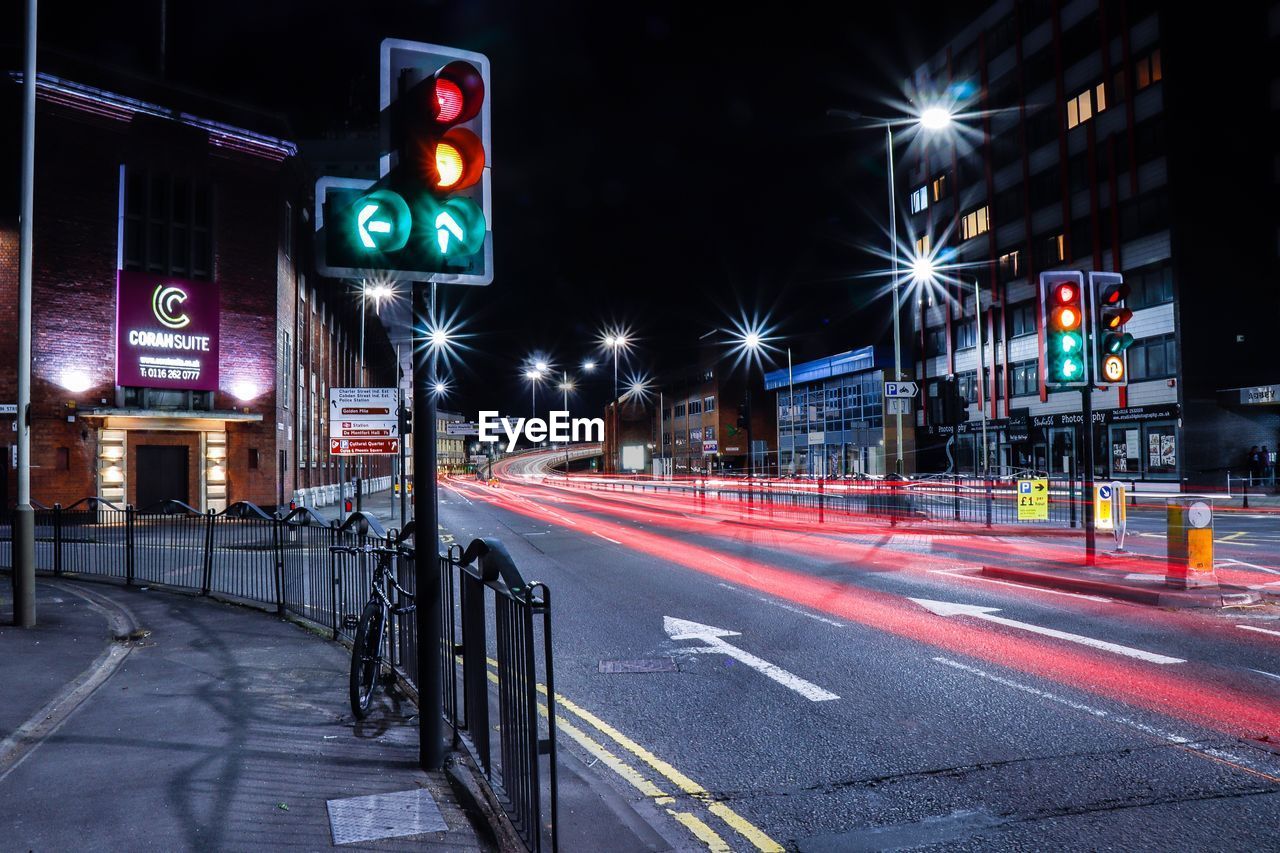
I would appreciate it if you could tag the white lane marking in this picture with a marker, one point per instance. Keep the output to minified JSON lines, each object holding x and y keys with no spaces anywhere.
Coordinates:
{"x":682,"y":629}
{"x":1250,"y":565}
{"x":1259,"y":630}
{"x":602,"y":536}
{"x":802,"y":612}
{"x":1179,"y":740}
{"x":946,"y":608}
{"x":1267,"y":674}
{"x":958,"y":573}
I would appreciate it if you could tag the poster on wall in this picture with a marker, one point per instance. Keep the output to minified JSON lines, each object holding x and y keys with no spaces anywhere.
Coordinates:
{"x":1119,"y":456}
{"x":1153,"y":450}
{"x":166,"y":332}
{"x":1166,"y":451}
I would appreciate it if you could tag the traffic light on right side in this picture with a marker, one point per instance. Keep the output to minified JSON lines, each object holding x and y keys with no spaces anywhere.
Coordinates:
{"x":1110,"y":315}
{"x":1063,"y":317}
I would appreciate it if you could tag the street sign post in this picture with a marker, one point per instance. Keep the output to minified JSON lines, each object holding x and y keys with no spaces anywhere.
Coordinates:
{"x":1103,"y":519}
{"x":1033,"y":499}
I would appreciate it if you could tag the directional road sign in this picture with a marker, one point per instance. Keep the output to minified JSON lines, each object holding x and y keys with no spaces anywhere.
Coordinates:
{"x":363,"y":421}
{"x":460,"y":428}
{"x":901,"y":389}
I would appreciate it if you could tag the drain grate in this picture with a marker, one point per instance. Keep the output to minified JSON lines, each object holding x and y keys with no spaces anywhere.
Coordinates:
{"x":619,"y":667}
{"x":377,"y":816}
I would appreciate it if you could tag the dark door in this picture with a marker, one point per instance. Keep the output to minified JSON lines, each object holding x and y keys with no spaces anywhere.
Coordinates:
{"x":5,"y":453}
{"x":162,"y":474}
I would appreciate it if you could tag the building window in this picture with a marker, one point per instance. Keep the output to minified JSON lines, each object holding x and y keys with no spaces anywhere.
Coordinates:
{"x":935,"y":342}
{"x":967,"y":385}
{"x":253,"y":459}
{"x":974,"y":222}
{"x":168,"y":225}
{"x":1026,"y":378}
{"x":708,"y":404}
{"x":1056,"y":249}
{"x":679,"y":410}
{"x":666,"y":413}
{"x":709,"y":433}
{"x":695,"y":407}
{"x":1011,"y":265}
{"x":1022,"y":318}
{"x":1151,"y":285}
{"x":1147,"y":69}
{"x":922,"y":246}
{"x":1086,"y":105}
{"x":64,"y":459}
{"x":967,"y":334}
{"x":1153,"y":358}
{"x":288,"y":230}
{"x":939,"y":187}
{"x":920,"y":199}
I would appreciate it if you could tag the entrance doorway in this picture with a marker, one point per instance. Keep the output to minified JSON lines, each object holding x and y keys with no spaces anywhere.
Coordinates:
{"x":161,"y":474}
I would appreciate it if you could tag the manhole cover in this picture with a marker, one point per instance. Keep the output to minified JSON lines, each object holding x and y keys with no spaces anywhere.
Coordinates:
{"x":377,"y":816}
{"x":617,"y":667}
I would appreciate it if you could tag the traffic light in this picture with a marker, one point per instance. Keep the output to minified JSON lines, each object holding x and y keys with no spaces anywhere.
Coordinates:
{"x":1110,"y":315}
{"x":406,"y":420}
{"x":950,"y":405}
{"x":428,"y":217}
{"x":1065,"y":324}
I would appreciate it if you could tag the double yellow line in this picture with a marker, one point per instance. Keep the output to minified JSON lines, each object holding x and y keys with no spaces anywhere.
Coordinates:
{"x":646,"y":786}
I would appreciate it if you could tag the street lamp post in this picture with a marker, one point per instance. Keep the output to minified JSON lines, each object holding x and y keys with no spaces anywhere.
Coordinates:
{"x":933,"y":118}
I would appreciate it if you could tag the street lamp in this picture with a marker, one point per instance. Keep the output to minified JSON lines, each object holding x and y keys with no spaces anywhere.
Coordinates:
{"x":534,"y":376}
{"x":617,"y":340}
{"x":934,"y":118}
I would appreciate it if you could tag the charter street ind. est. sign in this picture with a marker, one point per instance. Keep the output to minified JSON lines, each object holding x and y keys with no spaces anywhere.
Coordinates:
{"x":166,"y":332}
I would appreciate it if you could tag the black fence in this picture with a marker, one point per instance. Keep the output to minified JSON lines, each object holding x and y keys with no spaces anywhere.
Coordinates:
{"x":479,"y":581}
{"x":283,"y":563}
{"x":939,"y":500}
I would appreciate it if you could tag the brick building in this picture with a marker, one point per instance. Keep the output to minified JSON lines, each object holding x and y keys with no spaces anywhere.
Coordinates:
{"x":181,"y":346}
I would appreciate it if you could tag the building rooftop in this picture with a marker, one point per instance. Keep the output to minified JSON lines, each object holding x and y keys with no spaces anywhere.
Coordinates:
{"x":853,"y":361}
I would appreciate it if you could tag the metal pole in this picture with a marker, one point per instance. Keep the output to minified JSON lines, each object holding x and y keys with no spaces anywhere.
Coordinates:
{"x":617,"y":419}
{"x":364,"y":297}
{"x":977,"y":320}
{"x":791,"y":410}
{"x":426,"y":544}
{"x":893,"y":251}
{"x":24,"y":517}
{"x":1090,"y":535}
{"x":404,"y":478}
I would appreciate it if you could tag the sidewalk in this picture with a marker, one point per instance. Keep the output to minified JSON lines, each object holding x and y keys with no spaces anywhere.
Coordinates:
{"x":207,"y":725}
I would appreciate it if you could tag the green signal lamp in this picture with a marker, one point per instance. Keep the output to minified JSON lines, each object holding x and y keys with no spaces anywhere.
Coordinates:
{"x":382,"y":221}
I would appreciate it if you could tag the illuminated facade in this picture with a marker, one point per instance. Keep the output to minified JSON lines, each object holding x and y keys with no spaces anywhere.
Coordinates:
{"x":1079,"y":143}
{"x":182,"y":348}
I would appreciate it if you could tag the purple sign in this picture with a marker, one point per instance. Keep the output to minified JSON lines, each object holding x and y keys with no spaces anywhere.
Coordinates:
{"x":166,"y":332}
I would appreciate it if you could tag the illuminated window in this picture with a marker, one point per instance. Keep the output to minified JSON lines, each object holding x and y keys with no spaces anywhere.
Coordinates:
{"x":920,"y":199}
{"x":1010,"y":265}
{"x":708,"y":404}
{"x":974,"y":222}
{"x":939,"y":188}
{"x":922,"y":246}
{"x":1056,"y":248}
{"x":1086,"y":105}
{"x":1147,"y":69}
{"x":1025,"y":378}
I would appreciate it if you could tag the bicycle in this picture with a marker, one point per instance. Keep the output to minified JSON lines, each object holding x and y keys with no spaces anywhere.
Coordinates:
{"x":366,"y":650}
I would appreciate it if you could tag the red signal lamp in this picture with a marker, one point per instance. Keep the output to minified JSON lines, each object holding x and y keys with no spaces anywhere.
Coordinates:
{"x":1065,"y":293}
{"x":1114,"y":294}
{"x":454,"y":95}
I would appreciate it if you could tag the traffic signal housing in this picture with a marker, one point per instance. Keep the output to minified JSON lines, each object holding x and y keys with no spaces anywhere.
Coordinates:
{"x":1110,"y":316}
{"x":1064,"y":319}
{"x":428,"y":217}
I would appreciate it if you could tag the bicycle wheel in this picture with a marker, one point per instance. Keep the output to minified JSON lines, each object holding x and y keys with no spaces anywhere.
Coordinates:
{"x":366,"y":658}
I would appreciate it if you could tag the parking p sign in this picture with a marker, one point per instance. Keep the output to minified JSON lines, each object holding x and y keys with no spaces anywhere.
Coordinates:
{"x":1033,"y":499}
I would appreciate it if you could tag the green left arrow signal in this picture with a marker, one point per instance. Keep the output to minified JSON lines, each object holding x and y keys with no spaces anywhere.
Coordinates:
{"x":382,"y":221}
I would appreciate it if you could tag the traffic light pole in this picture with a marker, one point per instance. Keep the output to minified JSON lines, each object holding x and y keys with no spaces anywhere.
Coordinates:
{"x":1090,"y":535}
{"x":426,"y":540}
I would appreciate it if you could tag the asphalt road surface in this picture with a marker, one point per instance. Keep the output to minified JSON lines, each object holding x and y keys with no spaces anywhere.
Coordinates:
{"x":748,"y":681}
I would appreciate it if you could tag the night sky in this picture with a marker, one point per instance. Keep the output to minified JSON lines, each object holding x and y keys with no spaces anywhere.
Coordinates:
{"x":667,"y":166}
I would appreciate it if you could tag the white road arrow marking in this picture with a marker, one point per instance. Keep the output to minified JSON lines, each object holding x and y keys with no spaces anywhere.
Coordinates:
{"x":682,"y":629}
{"x":1259,"y":630}
{"x":947,"y":608}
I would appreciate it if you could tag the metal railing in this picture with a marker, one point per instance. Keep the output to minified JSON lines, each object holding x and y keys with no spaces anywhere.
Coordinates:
{"x":935,"y":501}
{"x":283,"y":562}
{"x":512,"y":658}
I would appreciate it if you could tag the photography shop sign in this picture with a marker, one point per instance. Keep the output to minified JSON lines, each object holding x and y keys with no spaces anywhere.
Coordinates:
{"x":166,"y":332}
{"x":1017,"y":427}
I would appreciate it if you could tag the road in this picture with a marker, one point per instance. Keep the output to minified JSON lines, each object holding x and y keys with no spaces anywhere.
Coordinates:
{"x":857,"y":687}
